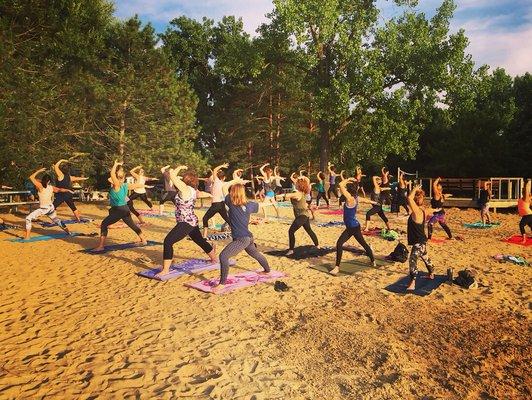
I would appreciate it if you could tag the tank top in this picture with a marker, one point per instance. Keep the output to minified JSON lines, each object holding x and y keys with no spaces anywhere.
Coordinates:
{"x":300,"y":207}
{"x":332,"y":179}
{"x":184,"y":209}
{"x":267,"y":185}
{"x":66,"y":183}
{"x":117,"y":198}
{"x":45,"y":196}
{"x":376,"y":197}
{"x":142,"y":180}
{"x":416,"y":232}
{"x":350,"y":216}
{"x":319,"y":187}
{"x":217,"y":191}
{"x":523,"y":207}
{"x":437,"y":204}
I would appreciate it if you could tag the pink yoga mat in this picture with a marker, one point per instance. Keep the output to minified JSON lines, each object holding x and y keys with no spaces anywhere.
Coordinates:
{"x":372,"y":232}
{"x":331,"y":212}
{"x":518,"y":239}
{"x":185,"y":268}
{"x":236,"y":281}
{"x":438,"y":240}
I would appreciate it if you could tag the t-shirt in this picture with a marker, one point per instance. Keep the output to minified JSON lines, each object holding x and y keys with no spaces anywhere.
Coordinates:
{"x":168,"y":185}
{"x":217,"y":191}
{"x":117,"y":198}
{"x":239,"y":217}
{"x":483,"y":198}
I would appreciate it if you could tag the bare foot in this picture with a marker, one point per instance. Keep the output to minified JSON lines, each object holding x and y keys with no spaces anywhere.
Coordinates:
{"x":218,"y":289}
{"x":430,"y":276}
{"x":98,"y":249}
{"x":289,"y":252}
{"x":412,"y":286}
{"x":265,"y":273}
{"x":373,"y":263}
{"x":143,"y":242}
{"x":161,"y":273}
{"x":335,"y":270}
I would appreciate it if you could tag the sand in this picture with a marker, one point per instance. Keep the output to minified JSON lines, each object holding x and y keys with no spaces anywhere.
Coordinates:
{"x":75,"y":325}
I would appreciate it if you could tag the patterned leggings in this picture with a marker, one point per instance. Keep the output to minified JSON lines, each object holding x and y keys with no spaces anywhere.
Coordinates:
{"x":419,"y":250}
{"x":235,"y":247}
{"x":49,"y":211}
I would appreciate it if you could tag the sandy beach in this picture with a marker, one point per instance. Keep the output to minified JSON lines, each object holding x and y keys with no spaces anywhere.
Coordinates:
{"x":76,"y":325}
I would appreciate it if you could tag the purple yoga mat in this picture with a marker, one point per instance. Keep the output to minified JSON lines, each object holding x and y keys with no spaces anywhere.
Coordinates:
{"x":185,"y":268}
{"x":236,"y":281}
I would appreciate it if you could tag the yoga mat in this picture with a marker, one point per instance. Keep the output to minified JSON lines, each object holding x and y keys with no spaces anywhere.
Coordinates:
{"x":116,"y":225}
{"x":518,"y":239}
{"x":330,"y":224}
{"x":220,"y":236}
{"x":480,"y":225}
{"x":4,"y":227}
{"x":438,"y":240}
{"x":42,"y":238}
{"x":154,"y":214}
{"x":331,"y":212}
{"x":120,"y":246}
{"x":302,"y":252}
{"x":188,"y":267}
{"x":351,"y":267}
{"x":424,"y":286}
{"x":513,"y":259}
{"x":372,"y":232}
{"x":66,"y":222}
{"x":236,"y":281}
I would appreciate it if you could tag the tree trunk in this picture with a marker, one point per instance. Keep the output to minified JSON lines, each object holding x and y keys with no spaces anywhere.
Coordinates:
{"x":325,"y":144}
{"x":270,"y":125}
{"x":122,"y":133}
{"x":278,"y":133}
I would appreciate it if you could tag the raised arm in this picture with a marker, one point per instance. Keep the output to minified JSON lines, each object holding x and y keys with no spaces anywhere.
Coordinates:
{"x":163,"y":169}
{"x":176,"y":179}
{"x":217,"y":169}
{"x":375,"y":182}
{"x":435,"y":185}
{"x":331,"y":172}
{"x":293,"y":177}
{"x":262,"y":169}
{"x":33,"y":178}
{"x":236,"y":173}
{"x":342,"y":186}
{"x":116,"y":182}
{"x":77,"y":178}
{"x":402,"y":180}
{"x":528,"y":185}
{"x":134,"y":173}
{"x":416,"y":210}
{"x":318,"y":176}
{"x":57,"y":170}
{"x":342,"y":177}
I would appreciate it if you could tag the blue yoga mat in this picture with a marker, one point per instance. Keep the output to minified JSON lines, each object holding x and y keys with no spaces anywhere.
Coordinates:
{"x":67,"y":222}
{"x":480,"y":225}
{"x":42,"y":238}
{"x":424,"y":286}
{"x":4,"y":227}
{"x":120,"y":246}
{"x":330,"y":224}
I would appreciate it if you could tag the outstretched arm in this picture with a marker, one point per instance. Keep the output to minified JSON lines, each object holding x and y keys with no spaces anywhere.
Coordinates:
{"x":33,"y":178}
{"x":77,"y":178}
{"x":57,"y":170}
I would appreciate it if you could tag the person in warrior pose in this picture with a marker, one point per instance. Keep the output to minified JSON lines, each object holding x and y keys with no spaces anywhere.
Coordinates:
{"x":140,"y":177}
{"x":118,"y":202}
{"x":348,"y":188}
{"x":376,"y":201}
{"x":301,"y":213}
{"x":65,"y":181}
{"x":523,"y":207}
{"x":416,"y":236}
{"x":438,"y":215}
{"x":240,"y":210}
{"x":186,"y":219}
{"x":45,"y":191}
{"x":333,"y":189}
{"x":268,"y":181}
{"x":320,"y":187}
{"x":402,"y":194}
{"x":358,"y":177}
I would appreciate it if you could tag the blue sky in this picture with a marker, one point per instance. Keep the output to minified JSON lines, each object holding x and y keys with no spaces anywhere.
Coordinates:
{"x":500,"y":31}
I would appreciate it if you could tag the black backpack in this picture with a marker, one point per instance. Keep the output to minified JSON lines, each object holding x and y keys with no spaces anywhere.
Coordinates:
{"x":399,"y":254}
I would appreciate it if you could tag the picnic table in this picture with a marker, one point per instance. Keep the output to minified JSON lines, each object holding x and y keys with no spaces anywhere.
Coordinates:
{"x":13,"y":198}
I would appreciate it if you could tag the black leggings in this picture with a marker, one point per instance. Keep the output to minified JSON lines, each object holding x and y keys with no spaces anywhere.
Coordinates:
{"x":525,"y":220}
{"x":321,"y":195}
{"x":142,"y":196}
{"x":64,"y":197}
{"x":301,"y":221}
{"x":178,"y":233}
{"x":376,"y":209}
{"x":167,"y":196}
{"x":215,"y":208}
{"x":344,"y":237}
{"x":403,"y":203}
{"x":116,"y":214}
{"x":332,"y":190}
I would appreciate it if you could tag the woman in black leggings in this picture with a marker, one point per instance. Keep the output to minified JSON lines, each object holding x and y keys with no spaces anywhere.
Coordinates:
{"x":301,"y":213}
{"x":349,"y":188}
{"x":187,"y":221}
{"x":376,"y":201}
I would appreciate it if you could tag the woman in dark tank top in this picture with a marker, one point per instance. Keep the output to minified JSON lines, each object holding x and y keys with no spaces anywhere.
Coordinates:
{"x":416,"y":236}
{"x":436,"y":204}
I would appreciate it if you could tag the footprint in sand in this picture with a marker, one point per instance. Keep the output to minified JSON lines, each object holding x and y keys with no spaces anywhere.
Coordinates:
{"x":198,"y":374}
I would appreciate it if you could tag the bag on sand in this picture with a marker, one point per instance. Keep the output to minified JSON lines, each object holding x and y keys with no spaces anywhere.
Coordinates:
{"x":399,"y":254}
{"x":467,"y":279}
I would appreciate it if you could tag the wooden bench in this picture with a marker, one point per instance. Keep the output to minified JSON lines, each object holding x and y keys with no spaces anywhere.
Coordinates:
{"x":12,"y":203}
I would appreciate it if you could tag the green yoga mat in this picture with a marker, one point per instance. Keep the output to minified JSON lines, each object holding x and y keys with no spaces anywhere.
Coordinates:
{"x":350,"y":267}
